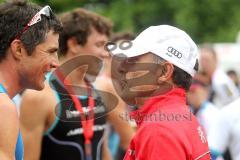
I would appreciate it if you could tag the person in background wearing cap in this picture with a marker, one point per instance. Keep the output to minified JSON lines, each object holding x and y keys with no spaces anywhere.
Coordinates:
{"x":153,"y":77}
{"x":29,"y":44}
{"x":223,"y":89}
{"x":204,"y":110}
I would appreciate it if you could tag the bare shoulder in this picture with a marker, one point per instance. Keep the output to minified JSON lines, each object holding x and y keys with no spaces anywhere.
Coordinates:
{"x":37,"y":105}
{"x":42,"y":98}
{"x":9,"y":125}
{"x":37,"y":96}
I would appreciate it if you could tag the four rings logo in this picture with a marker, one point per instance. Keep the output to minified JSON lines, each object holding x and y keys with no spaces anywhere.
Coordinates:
{"x":172,"y":51}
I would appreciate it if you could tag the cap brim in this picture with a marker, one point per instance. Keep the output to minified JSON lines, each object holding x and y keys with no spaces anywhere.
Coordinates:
{"x":132,"y":50}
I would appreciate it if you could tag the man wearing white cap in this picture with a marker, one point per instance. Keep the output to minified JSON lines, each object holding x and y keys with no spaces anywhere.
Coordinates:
{"x":153,"y":77}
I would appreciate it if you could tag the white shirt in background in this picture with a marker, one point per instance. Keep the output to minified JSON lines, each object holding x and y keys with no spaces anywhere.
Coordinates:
{"x":206,"y":115}
{"x":225,"y":132}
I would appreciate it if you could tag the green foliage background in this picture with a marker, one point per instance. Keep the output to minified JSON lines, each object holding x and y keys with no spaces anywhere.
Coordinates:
{"x":204,"y":20}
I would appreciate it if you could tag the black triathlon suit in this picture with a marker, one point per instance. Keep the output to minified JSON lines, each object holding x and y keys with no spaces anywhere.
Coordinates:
{"x":64,"y":140}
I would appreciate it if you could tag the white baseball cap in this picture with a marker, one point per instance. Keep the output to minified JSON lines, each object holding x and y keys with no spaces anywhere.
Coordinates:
{"x":167,"y":42}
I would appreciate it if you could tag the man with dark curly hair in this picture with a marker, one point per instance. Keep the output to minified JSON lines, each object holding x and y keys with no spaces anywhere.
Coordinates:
{"x":29,"y":43}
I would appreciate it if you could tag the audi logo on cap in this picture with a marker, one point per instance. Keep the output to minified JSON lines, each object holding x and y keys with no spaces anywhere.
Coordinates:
{"x":172,"y":51}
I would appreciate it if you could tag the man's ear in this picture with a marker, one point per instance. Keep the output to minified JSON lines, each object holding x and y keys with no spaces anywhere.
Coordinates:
{"x":73,"y":45}
{"x":17,"y":49}
{"x":167,"y":71}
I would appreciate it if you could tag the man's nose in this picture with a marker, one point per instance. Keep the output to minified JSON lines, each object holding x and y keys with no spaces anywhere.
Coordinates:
{"x":104,"y":53}
{"x":55,"y":61}
{"x":54,"y":64}
{"x":123,"y":66}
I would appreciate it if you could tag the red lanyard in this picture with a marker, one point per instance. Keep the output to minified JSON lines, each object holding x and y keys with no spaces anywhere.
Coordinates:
{"x":87,"y":122}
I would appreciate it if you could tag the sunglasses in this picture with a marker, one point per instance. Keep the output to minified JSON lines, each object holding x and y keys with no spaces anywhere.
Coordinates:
{"x":46,"y":11}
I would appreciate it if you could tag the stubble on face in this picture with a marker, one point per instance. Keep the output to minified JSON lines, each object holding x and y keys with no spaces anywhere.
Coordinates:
{"x":34,"y":68}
